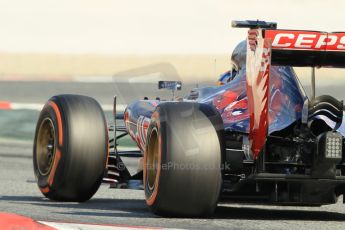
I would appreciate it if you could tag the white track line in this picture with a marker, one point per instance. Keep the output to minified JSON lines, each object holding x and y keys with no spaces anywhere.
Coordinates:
{"x":76,"y":226}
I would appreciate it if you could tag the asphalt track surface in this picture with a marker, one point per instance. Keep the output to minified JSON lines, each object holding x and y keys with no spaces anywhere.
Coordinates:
{"x":19,"y":193}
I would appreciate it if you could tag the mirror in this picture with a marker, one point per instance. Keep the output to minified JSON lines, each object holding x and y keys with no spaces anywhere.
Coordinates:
{"x":171,"y":85}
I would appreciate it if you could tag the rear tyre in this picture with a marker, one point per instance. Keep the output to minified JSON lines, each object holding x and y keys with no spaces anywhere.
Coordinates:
{"x":70,"y":148}
{"x":182,"y":160}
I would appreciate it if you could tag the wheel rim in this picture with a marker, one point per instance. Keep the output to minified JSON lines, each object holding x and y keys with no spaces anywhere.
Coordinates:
{"x":45,"y":147}
{"x":152,"y":160}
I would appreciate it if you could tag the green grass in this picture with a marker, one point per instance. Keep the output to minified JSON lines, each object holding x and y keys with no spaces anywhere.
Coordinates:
{"x":18,"y":124}
{"x":21,"y":125}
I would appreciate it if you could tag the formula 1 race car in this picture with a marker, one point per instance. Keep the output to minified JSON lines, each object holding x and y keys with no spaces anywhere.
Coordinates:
{"x":255,"y":138}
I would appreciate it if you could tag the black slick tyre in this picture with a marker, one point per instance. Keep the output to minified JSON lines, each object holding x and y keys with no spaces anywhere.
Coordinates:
{"x":182,"y":160}
{"x":70,"y":148}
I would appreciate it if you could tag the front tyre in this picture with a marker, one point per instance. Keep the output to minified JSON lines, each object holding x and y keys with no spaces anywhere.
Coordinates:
{"x":182,"y":160}
{"x":70,"y":148}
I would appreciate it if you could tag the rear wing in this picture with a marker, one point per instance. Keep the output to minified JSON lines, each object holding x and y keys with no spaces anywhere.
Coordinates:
{"x":306,"y":48}
{"x":268,"y":46}
{"x":297,"y":47}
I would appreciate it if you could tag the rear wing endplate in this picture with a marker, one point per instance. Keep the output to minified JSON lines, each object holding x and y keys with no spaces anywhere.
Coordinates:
{"x":266,"y":47}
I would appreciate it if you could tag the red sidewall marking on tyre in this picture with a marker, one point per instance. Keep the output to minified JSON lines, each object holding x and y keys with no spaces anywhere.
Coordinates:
{"x":45,"y":189}
{"x":152,"y":198}
{"x":59,"y":120}
{"x":56,"y":163}
{"x":60,"y":136}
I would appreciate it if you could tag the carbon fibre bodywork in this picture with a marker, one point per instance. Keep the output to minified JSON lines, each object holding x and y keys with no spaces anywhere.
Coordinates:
{"x":278,"y":142}
{"x":285,"y":102}
{"x":286,"y":98}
